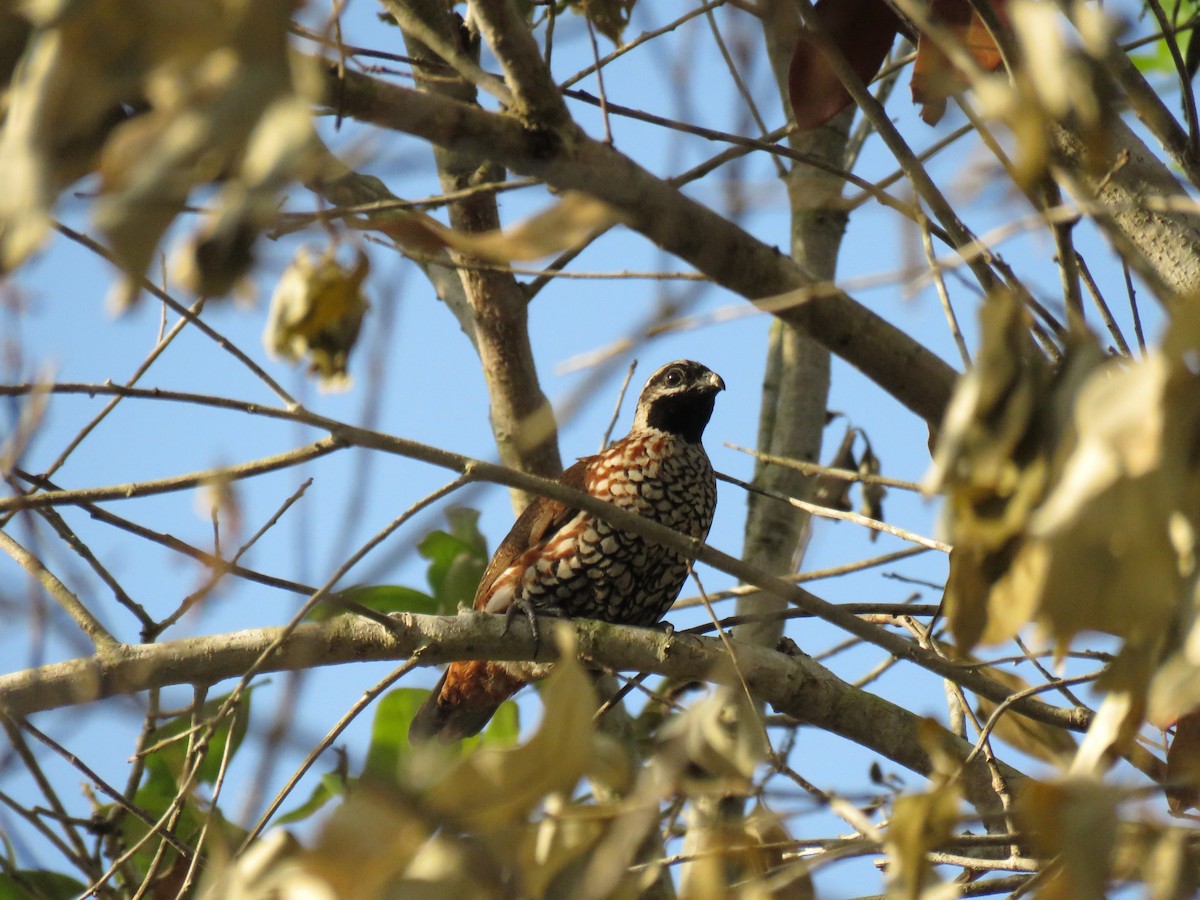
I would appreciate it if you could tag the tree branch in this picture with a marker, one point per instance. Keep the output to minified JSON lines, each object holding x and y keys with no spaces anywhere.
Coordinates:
{"x":793,"y":685}
{"x":662,"y":213}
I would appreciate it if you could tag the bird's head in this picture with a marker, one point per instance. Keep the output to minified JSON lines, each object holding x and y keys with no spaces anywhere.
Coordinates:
{"x":678,"y":399}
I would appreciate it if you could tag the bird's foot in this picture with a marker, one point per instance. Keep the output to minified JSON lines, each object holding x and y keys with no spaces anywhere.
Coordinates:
{"x":531,"y":613}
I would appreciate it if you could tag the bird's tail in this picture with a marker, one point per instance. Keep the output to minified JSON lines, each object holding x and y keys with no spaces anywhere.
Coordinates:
{"x":463,"y":701}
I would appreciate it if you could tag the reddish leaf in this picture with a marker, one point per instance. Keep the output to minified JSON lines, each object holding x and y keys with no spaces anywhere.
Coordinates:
{"x":934,"y":77}
{"x":1183,"y":765}
{"x":863,"y":30}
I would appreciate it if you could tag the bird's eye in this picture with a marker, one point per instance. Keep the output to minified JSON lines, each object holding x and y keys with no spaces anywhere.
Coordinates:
{"x":673,"y":378}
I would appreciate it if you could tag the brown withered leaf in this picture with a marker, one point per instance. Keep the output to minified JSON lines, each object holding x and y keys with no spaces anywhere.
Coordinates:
{"x":1074,"y":819}
{"x":991,"y":464}
{"x":835,"y":492}
{"x":872,"y":493}
{"x":864,"y":31}
{"x":934,"y":77}
{"x":1038,"y":739}
{"x":1183,"y":765}
{"x":316,"y":312}
{"x":608,"y":16}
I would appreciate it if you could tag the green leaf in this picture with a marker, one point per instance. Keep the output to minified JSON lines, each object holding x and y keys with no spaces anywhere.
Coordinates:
{"x":457,"y":559}
{"x":389,"y":748}
{"x":331,"y":785}
{"x":38,"y":884}
{"x":382,"y":598}
{"x":464,"y":525}
{"x":389,"y":733}
{"x":504,"y":729}
{"x":167,"y":763}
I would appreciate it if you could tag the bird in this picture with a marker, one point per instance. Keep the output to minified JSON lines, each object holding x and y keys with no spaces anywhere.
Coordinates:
{"x":564,"y":561}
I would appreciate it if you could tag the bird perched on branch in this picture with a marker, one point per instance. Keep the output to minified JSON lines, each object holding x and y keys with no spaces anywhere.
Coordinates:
{"x":558,"y":560}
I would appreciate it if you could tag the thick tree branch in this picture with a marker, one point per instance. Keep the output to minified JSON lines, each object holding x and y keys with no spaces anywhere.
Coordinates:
{"x":569,"y":160}
{"x":793,"y":684}
{"x":521,"y":416}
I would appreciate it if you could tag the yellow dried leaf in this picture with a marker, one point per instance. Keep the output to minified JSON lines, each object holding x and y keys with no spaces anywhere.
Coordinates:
{"x":721,"y":740}
{"x":1038,"y":739}
{"x":569,"y":223}
{"x":1119,"y":525}
{"x":316,"y":312}
{"x":919,"y":824}
{"x":991,"y":465}
{"x":495,"y":789}
{"x":1074,"y":819}
{"x":368,"y":843}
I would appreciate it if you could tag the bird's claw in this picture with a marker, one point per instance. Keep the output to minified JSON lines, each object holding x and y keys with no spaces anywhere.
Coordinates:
{"x":531,"y":614}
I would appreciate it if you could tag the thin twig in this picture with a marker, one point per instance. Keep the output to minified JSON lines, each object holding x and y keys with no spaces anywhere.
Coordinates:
{"x":826,"y":512}
{"x":71,"y":604}
{"x":262,"y":466}
{"x":809,"y":468}
{"x":612,"y":423}
{"x":369,"y":696}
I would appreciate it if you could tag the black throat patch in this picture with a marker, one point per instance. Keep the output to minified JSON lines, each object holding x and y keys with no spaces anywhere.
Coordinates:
{"x":685,"y":414}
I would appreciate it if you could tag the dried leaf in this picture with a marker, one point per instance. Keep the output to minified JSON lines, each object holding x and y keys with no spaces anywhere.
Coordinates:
{"x":872,"y":493}
{"x":493,"y":789}
{"x":991,"y":461}
{"x":15,"y":30}
{"x":1038,"y":739}
{"x":864,"y":31}
{"x":569,"y":223}
{"x":608,"y":16}
{"x":366,"y":845}
{"x":279,"y":149}
{"x":1183,"y":765}
{"x":1117,"y":528}
{"x":835,"y":492}
{"x":721,"y":739}
{"x":316,"y":312}
{"x":934,"y":77}
{"x":553,"y":854}
{"x":203,"y":118}
{"x":80,"y":65}
{"x":1168,"y":866}
{"x":1061,"y":75}
{"x":1074,"y":819}
{"x":922,"y":822}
